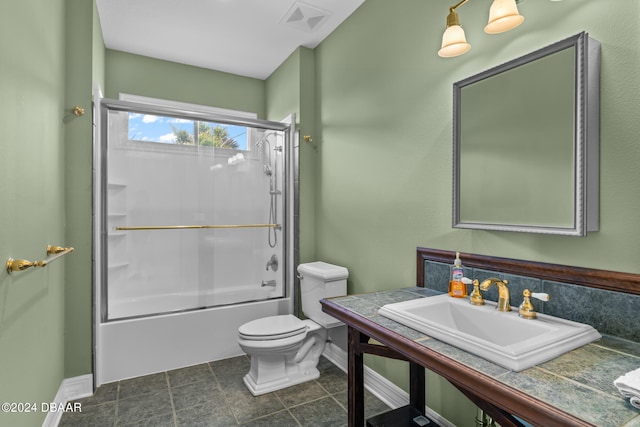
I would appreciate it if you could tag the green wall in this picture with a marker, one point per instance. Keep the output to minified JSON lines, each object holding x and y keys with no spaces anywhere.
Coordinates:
{"x":32,"y":215}
{"x":384,"y":168}
{"x":385,"y":117}
{"x":144,"y":76}
{"x":84,"y":65}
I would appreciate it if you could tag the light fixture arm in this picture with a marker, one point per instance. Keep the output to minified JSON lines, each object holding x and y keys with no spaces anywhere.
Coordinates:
{"x":452,"y":8}
{"x":452,"y":18}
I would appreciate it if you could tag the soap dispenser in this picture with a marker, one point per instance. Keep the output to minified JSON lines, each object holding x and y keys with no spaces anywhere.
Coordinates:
{"x":457,"y":288}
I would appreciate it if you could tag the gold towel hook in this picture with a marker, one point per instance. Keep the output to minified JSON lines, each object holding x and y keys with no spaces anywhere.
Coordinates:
{"x":78,"y":111}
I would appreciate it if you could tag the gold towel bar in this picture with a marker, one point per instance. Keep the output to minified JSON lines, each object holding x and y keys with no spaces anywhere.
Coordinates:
{"x":187,"y":227}
{"x":54,"y":253}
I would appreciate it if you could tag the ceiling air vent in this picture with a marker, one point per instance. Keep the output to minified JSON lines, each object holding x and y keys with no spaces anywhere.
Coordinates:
{"x":305,"y":17}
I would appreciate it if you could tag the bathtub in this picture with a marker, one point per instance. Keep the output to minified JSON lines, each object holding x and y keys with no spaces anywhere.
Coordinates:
{"x":141,"y":346}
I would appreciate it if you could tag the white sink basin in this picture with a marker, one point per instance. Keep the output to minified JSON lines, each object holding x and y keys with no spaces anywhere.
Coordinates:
{"x":503,"y":338}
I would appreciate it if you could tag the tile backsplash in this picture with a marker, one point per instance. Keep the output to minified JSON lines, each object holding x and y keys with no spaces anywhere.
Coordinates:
{"x":611,"y":313}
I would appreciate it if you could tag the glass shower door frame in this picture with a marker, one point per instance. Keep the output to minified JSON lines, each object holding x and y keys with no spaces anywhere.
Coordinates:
{"x":287,"y":219}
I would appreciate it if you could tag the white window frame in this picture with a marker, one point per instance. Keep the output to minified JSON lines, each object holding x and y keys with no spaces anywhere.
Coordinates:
{"x":186,"y":106}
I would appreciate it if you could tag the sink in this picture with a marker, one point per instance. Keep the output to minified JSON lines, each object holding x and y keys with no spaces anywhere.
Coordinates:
{"x":503,"y":338}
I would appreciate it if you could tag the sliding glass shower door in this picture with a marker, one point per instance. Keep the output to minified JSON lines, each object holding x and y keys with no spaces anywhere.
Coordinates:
{"x":193,"y":210}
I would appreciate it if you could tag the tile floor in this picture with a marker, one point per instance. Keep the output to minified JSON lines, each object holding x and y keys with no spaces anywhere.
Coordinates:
{"x":213,"y":394}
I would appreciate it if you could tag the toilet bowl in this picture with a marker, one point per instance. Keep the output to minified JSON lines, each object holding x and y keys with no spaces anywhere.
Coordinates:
{"x":284,"y":349}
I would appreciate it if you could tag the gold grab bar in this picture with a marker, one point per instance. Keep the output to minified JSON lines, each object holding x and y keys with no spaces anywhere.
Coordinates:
{"x":54,"y":253}
{"x":187,"y":227}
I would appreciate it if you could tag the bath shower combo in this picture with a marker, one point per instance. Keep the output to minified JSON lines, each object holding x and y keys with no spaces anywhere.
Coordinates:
{"x":183,"y":255}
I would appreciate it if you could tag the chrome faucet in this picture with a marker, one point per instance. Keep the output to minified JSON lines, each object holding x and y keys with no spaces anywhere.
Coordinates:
{"x":273,"y":263}
{"x":504,"y":298}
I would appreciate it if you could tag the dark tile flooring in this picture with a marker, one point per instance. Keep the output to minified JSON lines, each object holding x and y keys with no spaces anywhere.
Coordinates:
{"x":213,"y":394}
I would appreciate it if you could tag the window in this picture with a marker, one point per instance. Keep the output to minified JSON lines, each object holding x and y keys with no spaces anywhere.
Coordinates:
{"x":172,"y":130}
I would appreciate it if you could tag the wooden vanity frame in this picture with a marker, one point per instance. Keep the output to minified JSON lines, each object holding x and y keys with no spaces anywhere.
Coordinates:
{"x":498,"y":400}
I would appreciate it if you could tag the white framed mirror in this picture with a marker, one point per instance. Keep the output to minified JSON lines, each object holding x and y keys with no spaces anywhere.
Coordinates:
{"x":526,"y":142}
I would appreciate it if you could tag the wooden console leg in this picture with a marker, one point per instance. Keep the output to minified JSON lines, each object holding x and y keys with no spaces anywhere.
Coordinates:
{"x":355,"y":378}
{"x":416,"y":387}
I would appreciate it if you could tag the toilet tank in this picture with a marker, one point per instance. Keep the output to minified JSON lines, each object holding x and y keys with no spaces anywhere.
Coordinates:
{"x":320,"y":280}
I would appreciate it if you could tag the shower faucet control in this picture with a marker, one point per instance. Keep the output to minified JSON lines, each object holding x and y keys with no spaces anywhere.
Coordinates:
{"x":273,"y":263}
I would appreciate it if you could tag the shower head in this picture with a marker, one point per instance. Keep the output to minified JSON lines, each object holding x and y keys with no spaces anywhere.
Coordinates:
{"x":265,"y":139}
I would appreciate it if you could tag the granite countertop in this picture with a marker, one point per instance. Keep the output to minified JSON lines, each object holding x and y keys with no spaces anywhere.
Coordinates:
{"x":579,"y":382}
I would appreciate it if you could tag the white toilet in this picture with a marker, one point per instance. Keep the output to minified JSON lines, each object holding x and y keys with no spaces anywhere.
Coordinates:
{"x":285,"y":350}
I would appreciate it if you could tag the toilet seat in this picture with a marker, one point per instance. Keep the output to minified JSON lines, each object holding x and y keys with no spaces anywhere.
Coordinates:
{"x":273,"y":328}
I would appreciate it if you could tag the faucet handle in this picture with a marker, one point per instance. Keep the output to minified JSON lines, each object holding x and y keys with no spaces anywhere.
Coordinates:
{"x":541,"y":296}
{"x":476,"y":297}
{"x":526,"y":309}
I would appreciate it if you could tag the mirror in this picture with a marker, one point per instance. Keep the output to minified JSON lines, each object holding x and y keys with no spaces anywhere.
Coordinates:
{"x":526,"y":142}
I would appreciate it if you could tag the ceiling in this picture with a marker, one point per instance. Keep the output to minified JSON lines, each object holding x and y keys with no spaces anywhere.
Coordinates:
{"x":244,"y":37}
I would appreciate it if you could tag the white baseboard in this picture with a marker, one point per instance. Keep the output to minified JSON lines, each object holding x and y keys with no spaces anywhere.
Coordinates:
{"x":389,"y":393}
{"x":70,"y":389}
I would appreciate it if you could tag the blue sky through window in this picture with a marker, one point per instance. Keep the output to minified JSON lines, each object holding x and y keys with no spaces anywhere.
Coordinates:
{"x":146,"y":127}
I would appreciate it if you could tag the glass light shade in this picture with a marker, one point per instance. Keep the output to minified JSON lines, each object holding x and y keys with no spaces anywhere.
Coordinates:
{"x":454,"y":42}
{"x":503,"y":16}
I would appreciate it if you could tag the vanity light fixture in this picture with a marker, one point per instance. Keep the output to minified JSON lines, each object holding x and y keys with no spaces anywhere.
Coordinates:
{"x":503,"y":16}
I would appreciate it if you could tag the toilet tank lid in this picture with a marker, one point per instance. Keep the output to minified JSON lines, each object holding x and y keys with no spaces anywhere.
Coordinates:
{"x":323,"y":270}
